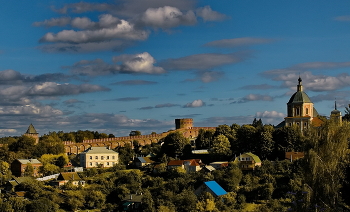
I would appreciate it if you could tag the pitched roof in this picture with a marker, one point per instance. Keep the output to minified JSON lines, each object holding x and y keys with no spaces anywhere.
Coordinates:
{"x":31,"y":130}
{"x":175,"y":163}
{"x":255,"y":157}
{"x":191,"y":162}
{"x":215,"y":188}
{"x":145,"y":160}
{"x":99,"y":150}
{"x":69,"y":176}
{"x":317,"y":122}
{"x":209,"y":168}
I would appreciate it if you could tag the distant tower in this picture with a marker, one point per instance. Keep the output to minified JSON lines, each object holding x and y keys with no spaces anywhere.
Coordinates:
{"x":336,"y":114}
{"x":183,"y":123}
{"x":300,"y":109}
{"x":31,"y":132}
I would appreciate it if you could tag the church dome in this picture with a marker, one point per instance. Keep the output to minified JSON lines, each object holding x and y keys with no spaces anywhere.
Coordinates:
{"x":299,"y":97}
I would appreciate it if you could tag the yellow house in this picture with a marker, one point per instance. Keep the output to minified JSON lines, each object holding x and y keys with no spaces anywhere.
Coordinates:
{"x":98,"y":157}
{"x":247,"y":161}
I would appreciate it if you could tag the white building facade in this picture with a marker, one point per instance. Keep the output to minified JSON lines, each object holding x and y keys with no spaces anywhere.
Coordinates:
{"x":99,"y":157}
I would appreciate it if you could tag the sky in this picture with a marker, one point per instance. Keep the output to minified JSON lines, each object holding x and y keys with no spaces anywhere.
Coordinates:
{"x":123,"y":65}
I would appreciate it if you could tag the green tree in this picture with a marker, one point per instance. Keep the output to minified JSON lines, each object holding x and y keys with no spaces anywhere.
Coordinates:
{"x":126,"y":154}
{"x":42,"y":205}
{"x":25,"y":145}
{"x":49,"y":169}
{"x":247,"y":140}
{"x":75,"y":200}
{"x":95,"y":198}
{"x":135,"y":133}
{"x":326,"y":158}
{"x":174,"y":144}
{"x":227,"y":131}
{"x":61,"y":161}
{"x":29,"y":170}
{"x":288,"y":139}
{"x":266,"y":142}
{"x":346,"y":116}
{"x":204,"y":139}
{"x":221,"y":147}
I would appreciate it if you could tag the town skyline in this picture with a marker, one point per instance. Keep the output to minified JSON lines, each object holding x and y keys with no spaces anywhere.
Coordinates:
{"x":118,"y":66}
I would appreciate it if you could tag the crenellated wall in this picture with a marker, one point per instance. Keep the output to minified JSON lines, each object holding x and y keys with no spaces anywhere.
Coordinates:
{"x":185,"y":127}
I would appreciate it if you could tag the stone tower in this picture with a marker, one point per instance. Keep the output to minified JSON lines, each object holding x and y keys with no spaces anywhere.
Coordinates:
{"x":31,"y":132}
{"x":300,"y":109}
{"x":183,"y":123}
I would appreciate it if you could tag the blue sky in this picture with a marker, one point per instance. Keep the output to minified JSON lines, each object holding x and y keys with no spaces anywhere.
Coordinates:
{"x":117,"y":66}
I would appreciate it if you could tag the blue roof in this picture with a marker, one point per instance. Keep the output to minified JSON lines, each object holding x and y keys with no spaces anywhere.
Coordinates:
{"x":142,"y":160}
{"x":215,"y":187}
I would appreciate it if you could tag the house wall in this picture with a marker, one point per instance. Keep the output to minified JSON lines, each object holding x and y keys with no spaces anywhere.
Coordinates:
{"x":89,"y":160}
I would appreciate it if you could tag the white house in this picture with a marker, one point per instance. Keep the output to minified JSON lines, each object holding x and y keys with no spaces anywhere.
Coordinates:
{"x":98,"y":157}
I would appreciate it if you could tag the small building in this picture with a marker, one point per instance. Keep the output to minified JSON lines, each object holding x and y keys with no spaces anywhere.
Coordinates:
{"x":247,"y":161}
{"x":66,"y":177}
{"x":211,"y":187}
{"x":19,"y":166}
{"x":11,"y":184}
{"x":293,"y":155}
{"x":191,"y":165}
{"x":132,"y":203}
{"x":219,"y":164}
{"x":142,"y":161}
{"x":98,"y":157}
{"x":208,"y":168}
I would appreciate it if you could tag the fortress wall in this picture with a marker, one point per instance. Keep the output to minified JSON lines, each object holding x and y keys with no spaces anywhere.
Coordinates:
{"x":185,"y":126}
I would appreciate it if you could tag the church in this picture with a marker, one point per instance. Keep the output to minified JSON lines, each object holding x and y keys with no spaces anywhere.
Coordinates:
{"x":302,"y":113}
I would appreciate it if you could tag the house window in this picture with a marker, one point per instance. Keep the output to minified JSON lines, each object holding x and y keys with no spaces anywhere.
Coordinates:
{"x":102,"y":157}
{"x":248,"y":159}
{"x":90,"y":164}
{"x":113,"y":163}
{"x":307,"y":110}
{"x":90,"y":157}
{"x":96,"y":163}
{"x":96,"y":157}
{"x":107,"y":163}
{"x":107,"y":157}
{"x":113,"y":157}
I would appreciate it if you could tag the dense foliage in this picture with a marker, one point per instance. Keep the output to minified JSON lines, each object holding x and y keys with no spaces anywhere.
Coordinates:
{"x":317,"y":182}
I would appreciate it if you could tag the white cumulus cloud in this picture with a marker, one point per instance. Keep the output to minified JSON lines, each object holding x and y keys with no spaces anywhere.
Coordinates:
{"x":195,"y":103}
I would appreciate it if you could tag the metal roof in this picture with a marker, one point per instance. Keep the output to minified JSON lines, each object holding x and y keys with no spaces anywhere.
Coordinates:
{"x":299,"y":97}
{"x":31,"y":161}
{"x":215,"y":188}
{"x":98,"y":150}
{"x":31,"y":130}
